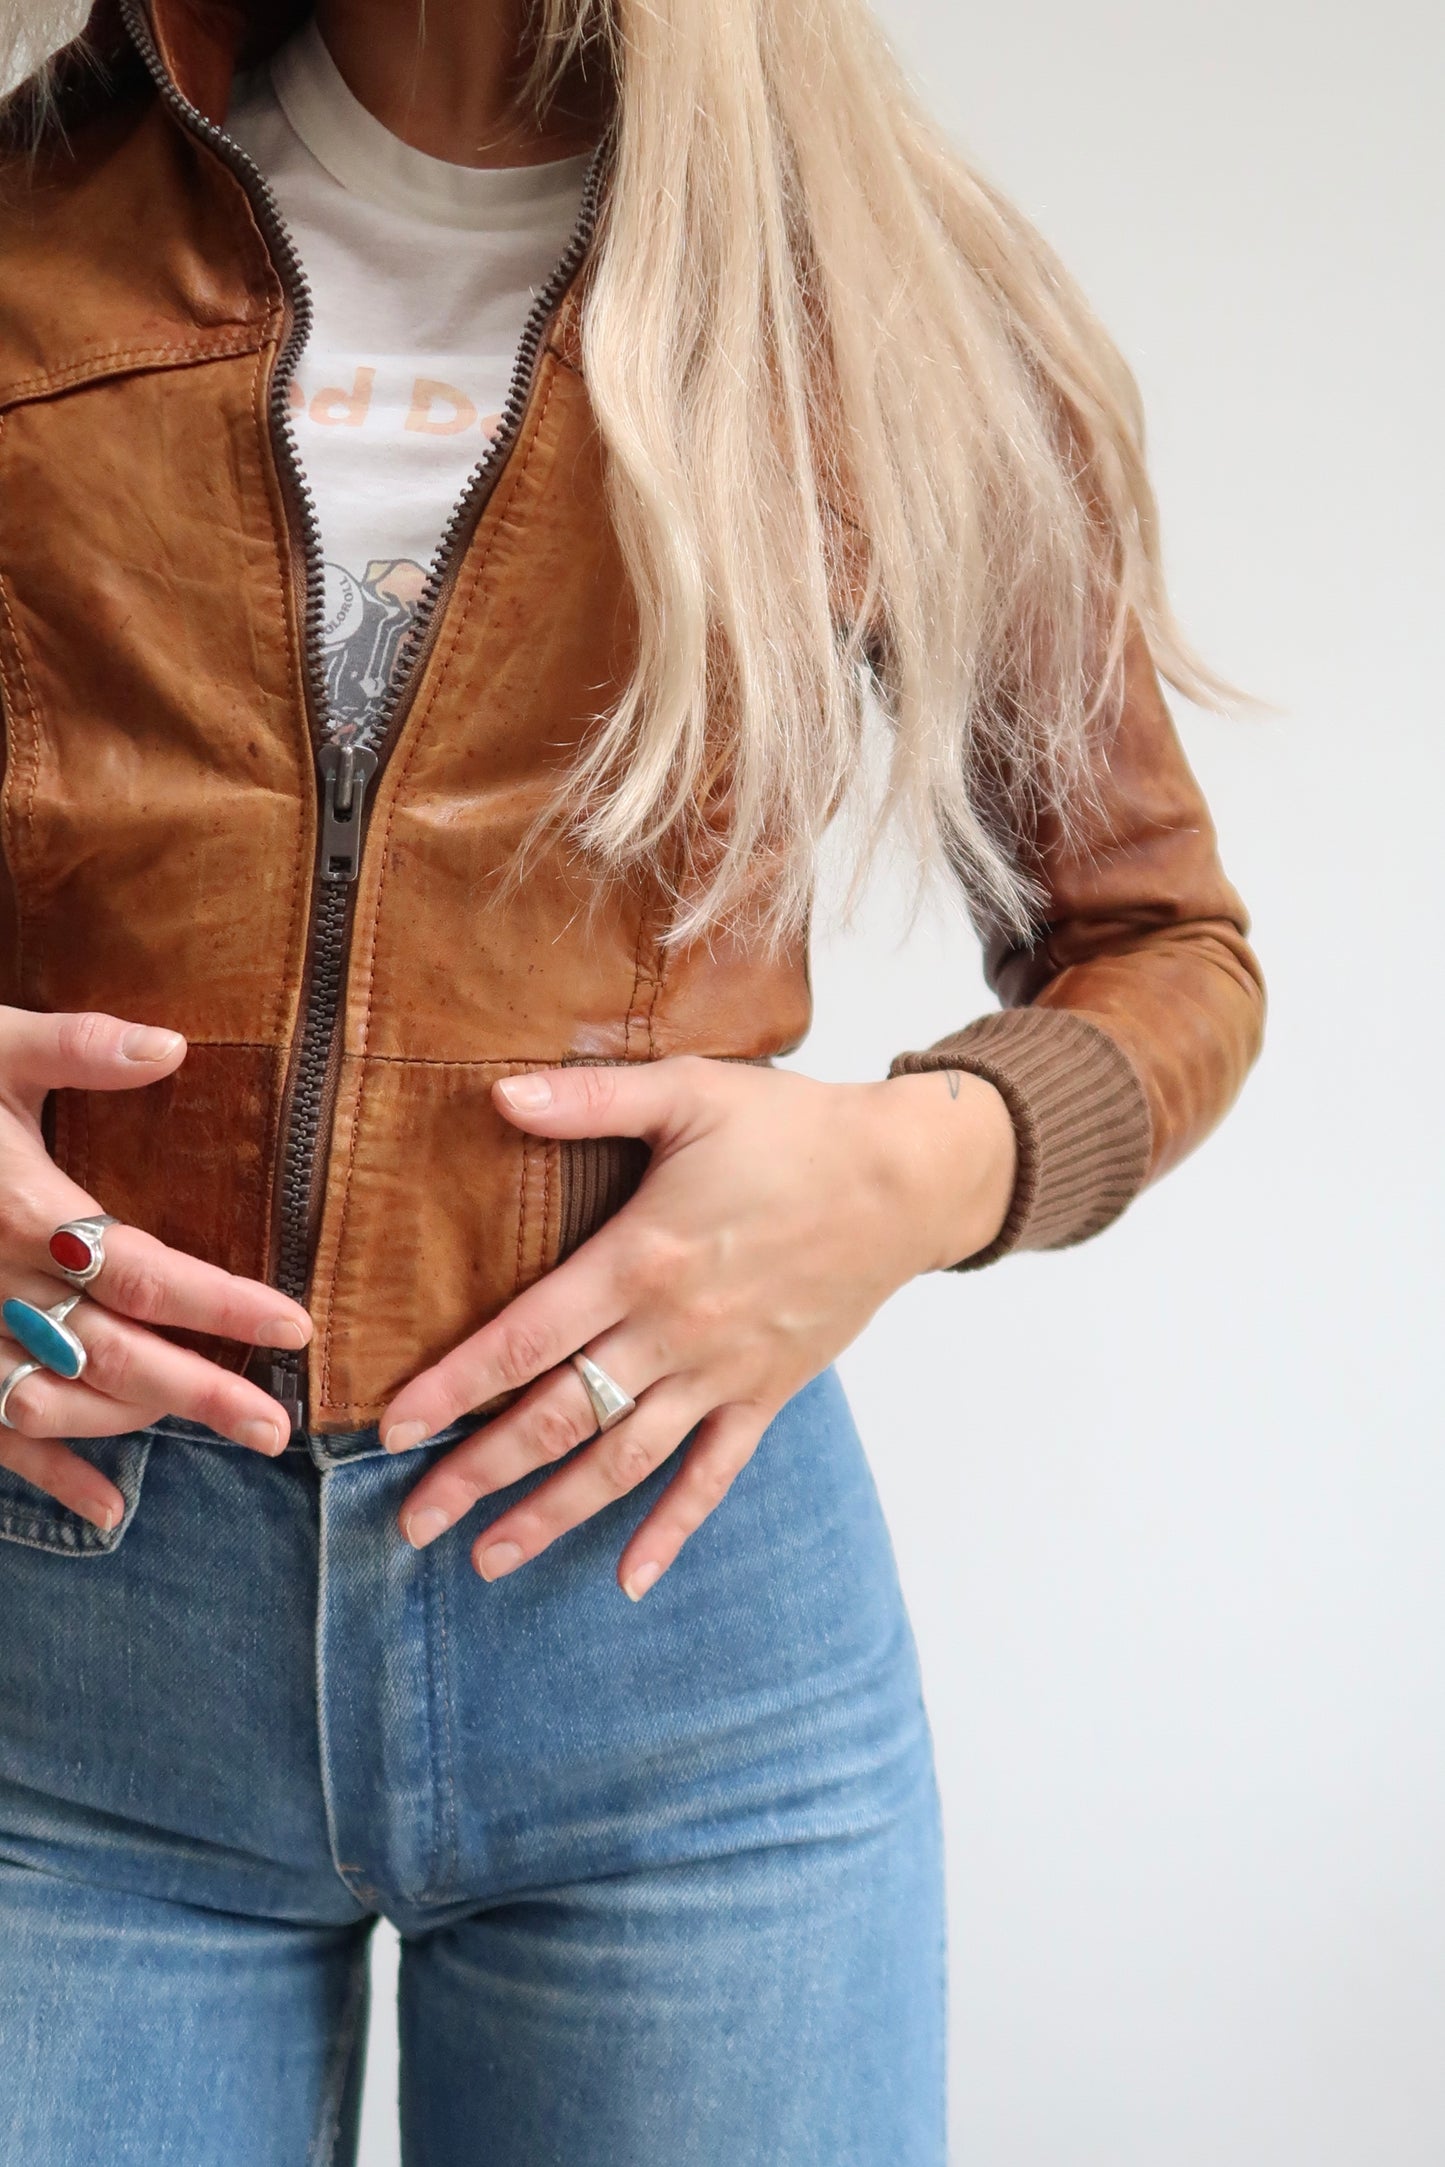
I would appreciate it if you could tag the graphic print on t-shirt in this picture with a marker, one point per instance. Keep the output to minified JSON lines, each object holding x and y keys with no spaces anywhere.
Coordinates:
{"x":368,"y":609}
{"x":408,"y":402}
{"x":362,"y":630}
{"x":422,"y":276}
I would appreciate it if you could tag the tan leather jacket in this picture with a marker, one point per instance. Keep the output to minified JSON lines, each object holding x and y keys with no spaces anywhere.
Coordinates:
{"x":183,"y":845}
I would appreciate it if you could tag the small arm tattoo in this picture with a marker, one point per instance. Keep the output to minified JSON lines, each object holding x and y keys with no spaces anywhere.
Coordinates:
{"x":951,"y":1079}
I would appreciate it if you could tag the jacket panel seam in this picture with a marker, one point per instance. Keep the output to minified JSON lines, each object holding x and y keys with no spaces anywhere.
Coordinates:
{"x":521,"y":1259}
{"x":28,"y":777}
{"x":417,"y":728}
{"x":417,"y":722}
{"x":122,"y":360}
{"x":539,"y":1158}
{"x":632,"y":1009}
{"x":656,"y":977}
{"x":660,"y":958}
{"x":279,"y":1016}
{"x":551,"y":1059}
{"x":551,"y":1174}
{"x":511,"y":1062}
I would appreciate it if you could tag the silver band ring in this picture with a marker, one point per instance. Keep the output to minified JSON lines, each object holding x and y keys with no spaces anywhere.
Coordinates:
{"x":13,"y":1377}
{"x":609,"y":1402}
{"x":77,"y":1247}
{"x":45,"y":1335}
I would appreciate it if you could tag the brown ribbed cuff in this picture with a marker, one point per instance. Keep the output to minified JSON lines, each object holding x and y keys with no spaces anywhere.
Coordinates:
{"x":1079,"y":1113}
{"x":597,"y":1175}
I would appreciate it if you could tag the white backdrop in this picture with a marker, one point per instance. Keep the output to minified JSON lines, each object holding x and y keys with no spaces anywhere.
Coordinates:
{"x":1170,"y":1508}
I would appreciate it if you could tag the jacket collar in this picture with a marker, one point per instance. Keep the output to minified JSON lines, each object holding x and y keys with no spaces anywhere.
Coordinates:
{"x":202,"y":42}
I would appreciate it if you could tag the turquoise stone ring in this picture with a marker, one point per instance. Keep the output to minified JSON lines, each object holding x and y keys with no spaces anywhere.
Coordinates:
{"x":45,"y":1335}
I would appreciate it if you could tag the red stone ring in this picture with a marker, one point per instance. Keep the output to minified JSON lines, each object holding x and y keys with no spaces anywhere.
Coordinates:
{"x":78,"y":1248}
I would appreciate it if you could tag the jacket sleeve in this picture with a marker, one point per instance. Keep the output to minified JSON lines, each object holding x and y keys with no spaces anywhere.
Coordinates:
{"x":1133,"y":1014}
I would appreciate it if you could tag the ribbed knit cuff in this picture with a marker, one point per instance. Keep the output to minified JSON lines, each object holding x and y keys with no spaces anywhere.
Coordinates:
{"x":1079,"y":1113}
{"x":597,"y":1175}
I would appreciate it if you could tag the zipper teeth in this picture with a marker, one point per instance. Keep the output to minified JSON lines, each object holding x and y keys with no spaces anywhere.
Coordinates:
{"x":304,"y":1129}
{"x":301,"y":1133}
{"x":285,"y":255}
{"x":480,"y":480}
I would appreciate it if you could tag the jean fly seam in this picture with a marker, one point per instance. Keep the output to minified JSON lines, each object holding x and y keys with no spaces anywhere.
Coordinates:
{"x":442,"y":1820}
{"x":328,"y":2128}
{"x":449,"y":1782}
{"x":322,"y":1758}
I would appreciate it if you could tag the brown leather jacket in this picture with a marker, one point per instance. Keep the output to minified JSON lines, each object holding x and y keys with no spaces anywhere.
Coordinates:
{"x":183,"y":845}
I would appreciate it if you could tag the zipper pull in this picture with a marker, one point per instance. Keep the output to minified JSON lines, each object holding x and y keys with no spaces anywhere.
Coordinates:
{"x":345,"y":772}
{"x":285,"y":1386}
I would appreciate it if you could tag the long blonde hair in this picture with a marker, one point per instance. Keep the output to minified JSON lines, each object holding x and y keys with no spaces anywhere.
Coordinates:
{"x":860,"y":427}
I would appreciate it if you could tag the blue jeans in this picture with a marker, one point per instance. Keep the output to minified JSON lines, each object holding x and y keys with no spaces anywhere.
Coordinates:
{"x":667,"y":1876}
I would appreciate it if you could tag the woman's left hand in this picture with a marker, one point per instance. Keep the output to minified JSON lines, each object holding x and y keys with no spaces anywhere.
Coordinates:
{"x":776,"y":1215}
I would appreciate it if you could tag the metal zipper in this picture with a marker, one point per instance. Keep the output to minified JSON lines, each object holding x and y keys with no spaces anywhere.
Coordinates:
{"x":349,"y":760}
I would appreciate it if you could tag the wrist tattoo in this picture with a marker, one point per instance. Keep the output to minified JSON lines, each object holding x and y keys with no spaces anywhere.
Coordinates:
{"x":951,"y":1078}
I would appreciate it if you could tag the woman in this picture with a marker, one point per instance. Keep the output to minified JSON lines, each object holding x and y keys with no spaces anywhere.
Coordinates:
{"x":458,"y":474}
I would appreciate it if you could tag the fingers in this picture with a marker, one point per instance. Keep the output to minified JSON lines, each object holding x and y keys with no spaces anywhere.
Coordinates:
{"x":125,"y":1363}
{"x":617,"y":1462}
{"x":726,"y":1440}
{"x":562,"y":1312}
{"x":547,"y":1423}
{"x":131,"y":1379}
{"x":63,"y":1474}
{"x":88,"y":1051}
{"x":143,"y":1279}
{"x":650,"y":1099}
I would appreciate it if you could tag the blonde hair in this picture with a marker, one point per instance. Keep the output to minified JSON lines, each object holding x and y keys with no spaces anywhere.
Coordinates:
{"x":860,"y":426}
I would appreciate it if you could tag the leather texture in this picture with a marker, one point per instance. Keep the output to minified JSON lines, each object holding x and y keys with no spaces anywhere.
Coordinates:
{"x":159,"y":808}
{"x":1145,"y":941}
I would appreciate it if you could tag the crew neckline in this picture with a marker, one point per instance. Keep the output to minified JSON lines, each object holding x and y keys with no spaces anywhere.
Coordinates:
{"x":363,"y":155}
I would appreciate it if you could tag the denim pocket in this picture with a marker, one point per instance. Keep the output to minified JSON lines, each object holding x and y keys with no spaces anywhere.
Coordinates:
{"x":32,"y":1516}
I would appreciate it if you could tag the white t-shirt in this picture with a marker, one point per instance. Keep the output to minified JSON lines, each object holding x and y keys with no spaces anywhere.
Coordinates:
{"x":422,"y":276}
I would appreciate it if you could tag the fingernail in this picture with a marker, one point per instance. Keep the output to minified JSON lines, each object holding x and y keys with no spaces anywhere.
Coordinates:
{"x":498,"y":1558}
{"x":529,"y":1092}
{"x":403,"y":1435}
{"x":420,"y":1528}
{"x":101,"y":1514}
{"x":143,"y":1043}
{"x":637,"y":1583}
{"x":260,"y":1436}
{"x":281,"y":1332}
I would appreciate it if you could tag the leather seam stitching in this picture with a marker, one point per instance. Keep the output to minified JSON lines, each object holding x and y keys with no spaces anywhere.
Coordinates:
{"x":278,"y":509}
{"x":636,"y":975}
{"x":417,"y":722}
{"x":280,"y":1035}
{"x":103,"y":360}
{"x":7,"y":709}
{"x":502,"y":1060}
{"x":655,"y":978}
{"x":551,"y":1156}
{"x":521,"y":1214}
{"x":25,"y":806}
{"x":443,"y":662}
{"x":658,"y":968}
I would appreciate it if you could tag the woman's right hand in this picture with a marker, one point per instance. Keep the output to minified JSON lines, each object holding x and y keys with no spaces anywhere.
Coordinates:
{"x":132,"y":1376}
